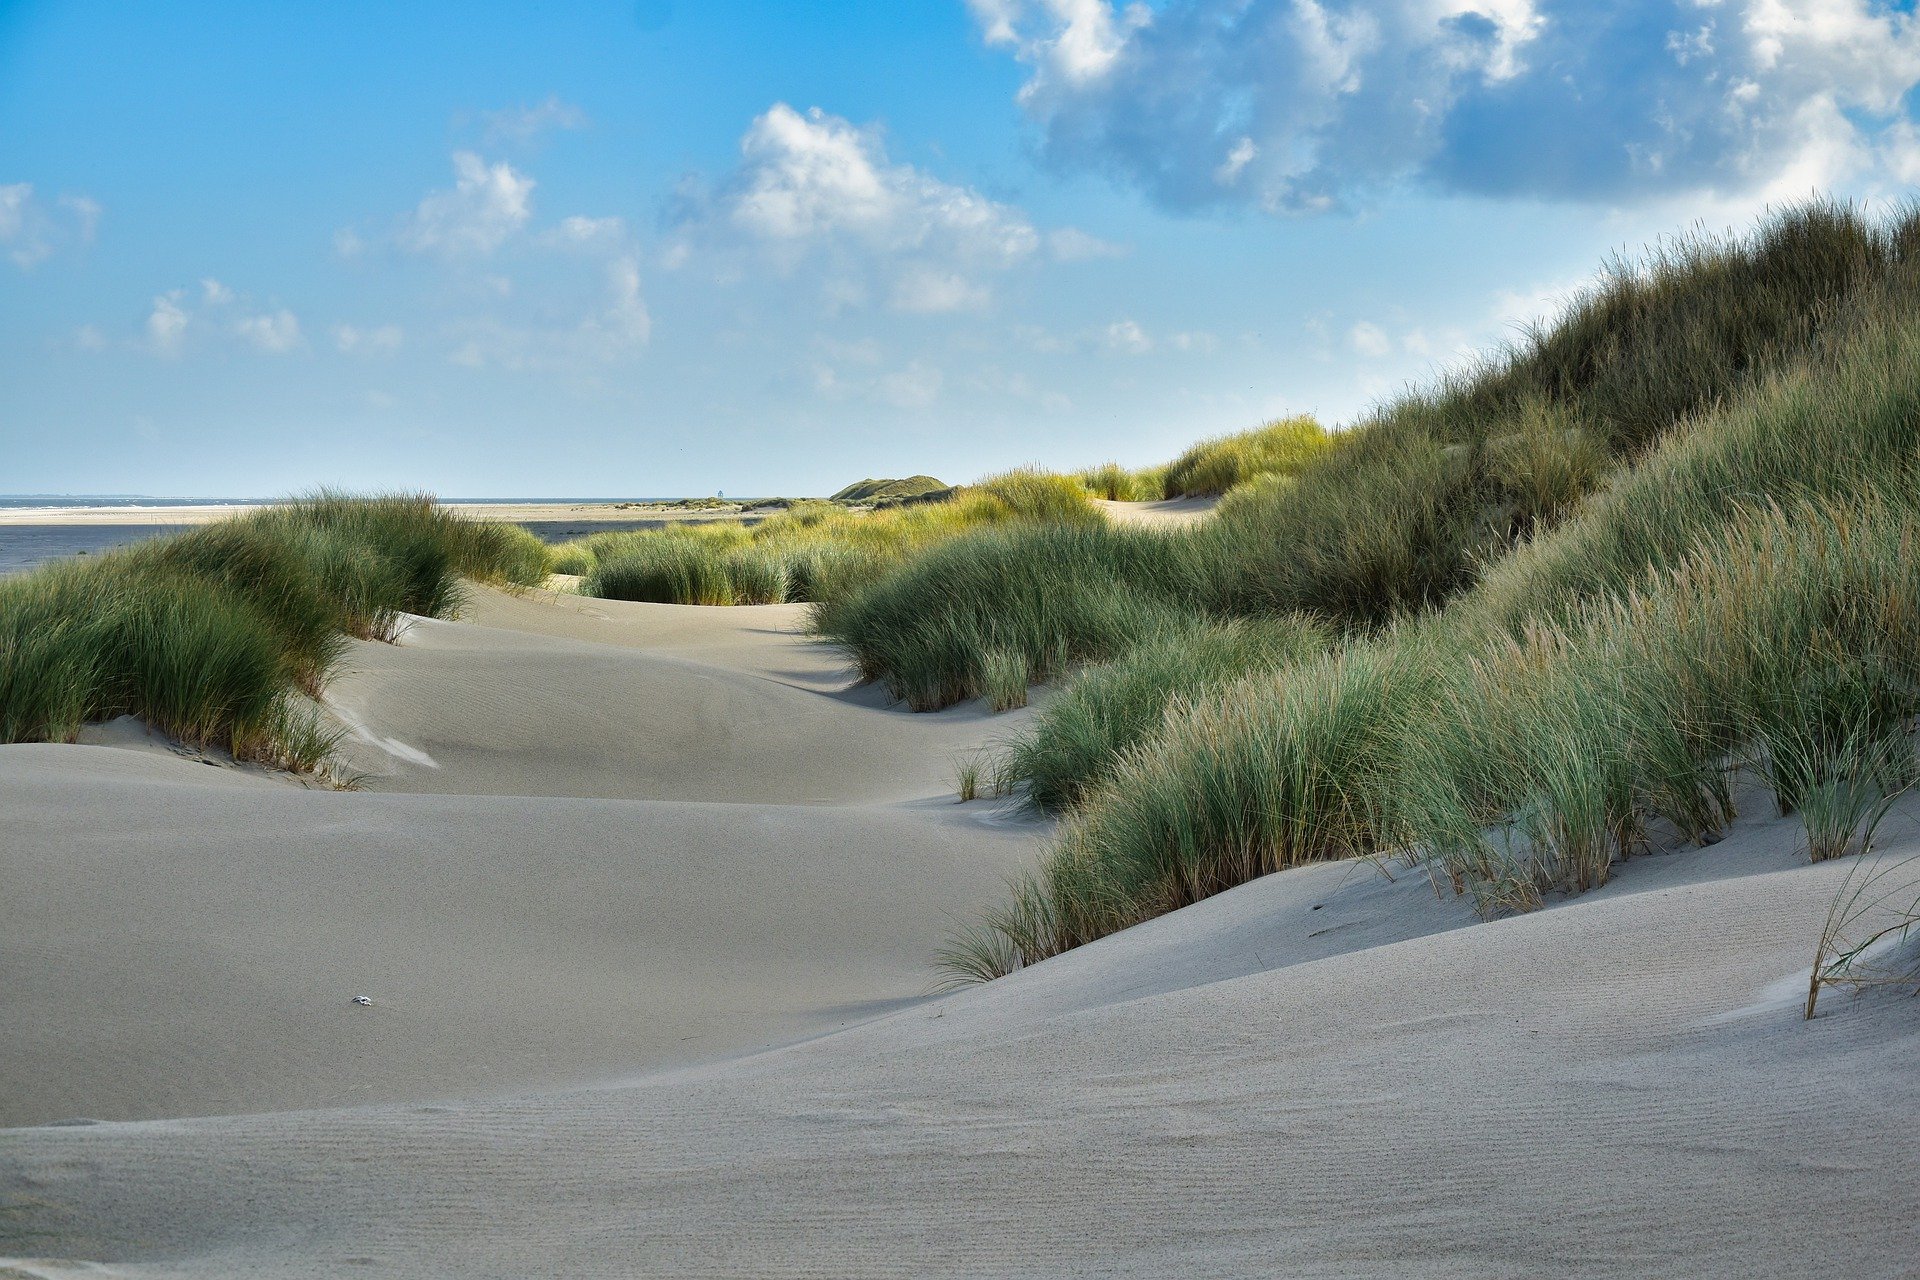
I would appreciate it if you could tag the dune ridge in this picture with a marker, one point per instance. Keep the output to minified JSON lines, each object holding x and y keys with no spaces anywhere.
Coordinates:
{"x":1235,"y":1089}
{"x":614,"y":1034}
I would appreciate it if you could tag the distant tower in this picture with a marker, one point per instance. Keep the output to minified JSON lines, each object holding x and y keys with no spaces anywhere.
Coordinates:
{"x":719,"y":493}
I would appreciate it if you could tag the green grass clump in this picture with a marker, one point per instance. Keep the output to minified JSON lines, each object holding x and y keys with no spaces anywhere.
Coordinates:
{"x":213,"y":636}
{"x":813,"y":550}
{"x":1101,"y":713}
{"x":1580,"y":589}
{"x":1788,"y":642}
{"x":1115,"y":483}
{"x":1213,"y":467}
{"x":1052,"y":594}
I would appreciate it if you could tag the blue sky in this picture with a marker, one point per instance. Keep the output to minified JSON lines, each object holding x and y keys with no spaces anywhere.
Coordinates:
{"x":665,"y":248}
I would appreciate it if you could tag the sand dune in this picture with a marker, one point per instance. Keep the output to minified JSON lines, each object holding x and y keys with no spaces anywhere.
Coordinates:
{"x":1237,"y":1089}
{"x":1321,"y":1073}
{"x":568,"y":696}
{"x":186,"y":941}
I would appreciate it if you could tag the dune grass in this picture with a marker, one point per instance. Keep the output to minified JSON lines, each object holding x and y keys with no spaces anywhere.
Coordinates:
{"x":1407,"y":510}
{"x":1105,"y":710}
{"x":1115,"y":483}
{"x":951,"y":624}
{"x":215,"y":636}
{"x":813,"y":551}
{"x":1579,"y":589}
{"x":1212,"y":467}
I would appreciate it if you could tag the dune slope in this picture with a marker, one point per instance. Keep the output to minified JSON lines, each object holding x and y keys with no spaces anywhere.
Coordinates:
{"x":1600,"y":1089}
{"x":182,"y":940}
{"x":1320,"y":1073}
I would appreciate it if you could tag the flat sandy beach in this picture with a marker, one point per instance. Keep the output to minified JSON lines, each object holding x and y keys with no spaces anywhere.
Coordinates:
{"x":516,"y":513}
{"x":645,"y":897}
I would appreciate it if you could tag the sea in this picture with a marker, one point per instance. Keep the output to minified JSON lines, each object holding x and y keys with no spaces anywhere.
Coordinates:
{"x":26,"y":546}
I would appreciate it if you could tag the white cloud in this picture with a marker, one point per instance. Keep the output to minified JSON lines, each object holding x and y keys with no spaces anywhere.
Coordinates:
{"x":1128,"y":337}
{"x":213,"y":293}
{"x":274,"y":332}
{"x":379,"y":340}
{"x":1369,"y":339}
{"x":487,"y":204}
{"x":578,"y":232}
{"x":928,"y":291}
{"x":348,"y":244}
{"x":525,"y":123}
{"x":814,"y":191}
{"x":31,"y":231}
{"x":816,"y":176}
{"x":1300,"y":105}
{"x":167,"y":323}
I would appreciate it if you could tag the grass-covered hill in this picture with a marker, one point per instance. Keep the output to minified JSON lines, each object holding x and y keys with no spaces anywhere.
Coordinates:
{"x":221,"y":636}
{"x":880,"y":491}
{"x":814,"y":550}
{"x":1510,"y":623}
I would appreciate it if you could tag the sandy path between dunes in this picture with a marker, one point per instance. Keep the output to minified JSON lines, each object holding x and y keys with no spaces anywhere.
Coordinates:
{"x":1322,"y":1073}
{"x":574,"y":860}
{"x":1169,"y":511}
{"x":1317,"y":1074}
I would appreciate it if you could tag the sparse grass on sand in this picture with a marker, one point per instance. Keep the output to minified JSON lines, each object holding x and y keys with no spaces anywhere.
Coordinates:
{"x":214,"y":635}
{"x":1670,"y":537}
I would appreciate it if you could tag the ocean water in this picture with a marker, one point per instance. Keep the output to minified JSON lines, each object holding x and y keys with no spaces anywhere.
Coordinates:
{"x":26,"y":546}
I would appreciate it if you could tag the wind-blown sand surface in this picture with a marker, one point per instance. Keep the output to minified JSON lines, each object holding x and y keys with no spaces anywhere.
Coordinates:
{"x":183,"y":940}
{"x":1321,"y":1073}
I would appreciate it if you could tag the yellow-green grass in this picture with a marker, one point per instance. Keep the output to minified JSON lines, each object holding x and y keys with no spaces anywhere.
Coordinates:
{"x":215,"y":636}
{"x":1082,"y":731}
{"x":813,"y":551}
{"x":1546,"y":655}
{"x":1115,"y":483}
{"x":1283,"y":447}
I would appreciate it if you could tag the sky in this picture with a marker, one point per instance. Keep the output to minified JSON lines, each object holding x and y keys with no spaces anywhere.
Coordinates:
{"x":666,"y":248}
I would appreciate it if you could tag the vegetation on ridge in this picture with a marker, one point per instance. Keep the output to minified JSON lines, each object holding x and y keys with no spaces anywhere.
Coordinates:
{"x":1668,"y":538}
{"x":214,"y":636}
{"x":813,"y":551}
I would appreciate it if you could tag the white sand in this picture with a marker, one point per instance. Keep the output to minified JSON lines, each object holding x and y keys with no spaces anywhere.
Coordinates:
{"x":1169,"y":511}
{"x":1318,"y":1074}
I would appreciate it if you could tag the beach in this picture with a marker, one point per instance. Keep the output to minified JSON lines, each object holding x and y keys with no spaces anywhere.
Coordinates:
{"x":644,"y":897}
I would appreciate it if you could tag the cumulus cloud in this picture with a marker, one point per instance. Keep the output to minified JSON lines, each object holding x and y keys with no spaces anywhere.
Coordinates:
{"x":1305,"y":104}
{"x":525,"y":123}
{"x":216,"y":312}
{"x":32,"y":230}
{"x":274,"y":332}
{"x":488,"y":204}
{"x":1128,"y":337}
{"x":167,"y":323}
{"x":816,"y":189}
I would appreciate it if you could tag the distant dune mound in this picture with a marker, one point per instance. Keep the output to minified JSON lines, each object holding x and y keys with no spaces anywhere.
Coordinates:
{"x":922,"y":487}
